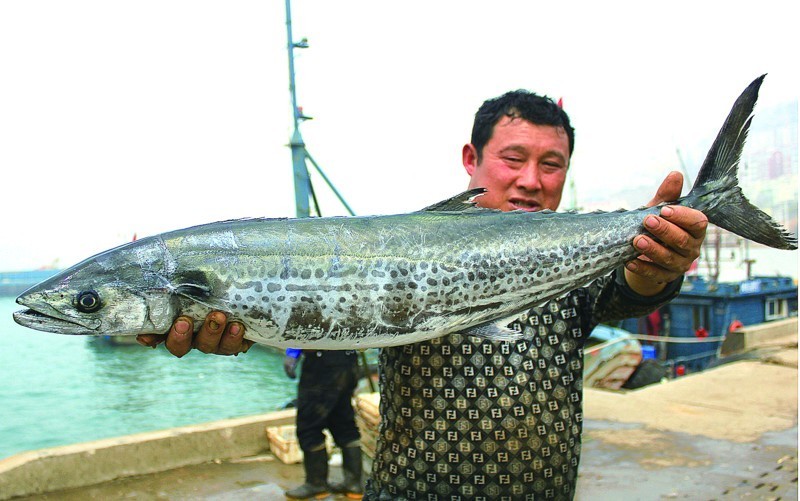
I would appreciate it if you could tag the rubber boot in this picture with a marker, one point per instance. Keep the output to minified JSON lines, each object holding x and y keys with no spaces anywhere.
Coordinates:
{"x":351,"y":467}
{"x":316,"y":487}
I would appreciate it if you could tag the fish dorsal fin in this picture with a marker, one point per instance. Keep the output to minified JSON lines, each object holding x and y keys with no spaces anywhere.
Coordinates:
{"x":460,"y":203}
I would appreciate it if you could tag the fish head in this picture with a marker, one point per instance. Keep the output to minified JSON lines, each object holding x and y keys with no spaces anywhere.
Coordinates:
{"x":119,"y":292}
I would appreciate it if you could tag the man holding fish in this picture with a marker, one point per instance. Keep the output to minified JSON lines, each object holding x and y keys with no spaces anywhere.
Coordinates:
{"x":474,"y":418}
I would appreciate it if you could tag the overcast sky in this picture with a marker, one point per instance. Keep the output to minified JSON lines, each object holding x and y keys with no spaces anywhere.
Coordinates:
{"x":145,"y":116}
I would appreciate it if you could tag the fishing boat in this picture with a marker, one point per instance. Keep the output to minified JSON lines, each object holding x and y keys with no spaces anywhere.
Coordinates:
{"x":687,"y":334}
{"x":610,"y":358}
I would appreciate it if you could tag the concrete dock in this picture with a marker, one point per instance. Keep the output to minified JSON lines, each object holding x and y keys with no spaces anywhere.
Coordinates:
{"x":726,"y":433}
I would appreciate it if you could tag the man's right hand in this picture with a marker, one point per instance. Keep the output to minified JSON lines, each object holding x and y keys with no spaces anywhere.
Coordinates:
{"x":215,"y":336}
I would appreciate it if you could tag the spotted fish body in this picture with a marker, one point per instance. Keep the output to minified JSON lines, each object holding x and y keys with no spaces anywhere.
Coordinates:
{"x":343,"y":283}
{"x":381,"y":281}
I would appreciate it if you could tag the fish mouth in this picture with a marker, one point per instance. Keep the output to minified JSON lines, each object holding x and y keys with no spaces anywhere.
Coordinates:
{"x":51,"y":320}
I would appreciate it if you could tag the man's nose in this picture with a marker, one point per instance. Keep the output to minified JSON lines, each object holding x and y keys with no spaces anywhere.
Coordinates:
{"x":528,"y":178}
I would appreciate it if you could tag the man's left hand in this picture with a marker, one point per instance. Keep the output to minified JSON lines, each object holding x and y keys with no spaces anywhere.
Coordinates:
{"x":216,"y":335}
{"x":672,"y":244}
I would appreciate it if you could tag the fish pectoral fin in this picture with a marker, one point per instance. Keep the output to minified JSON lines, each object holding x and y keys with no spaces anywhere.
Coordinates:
{"x":505,"y":329}
{"x":192,"y":290}
{"x":202,"y":295}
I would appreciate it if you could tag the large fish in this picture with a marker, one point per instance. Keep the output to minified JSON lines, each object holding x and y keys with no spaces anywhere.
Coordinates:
{"x":359,"y":282}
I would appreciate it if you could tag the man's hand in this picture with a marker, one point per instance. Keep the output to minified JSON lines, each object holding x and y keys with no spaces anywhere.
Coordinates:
{"x":290,"y":366}
{"x":215,"y":336}
{"x":673,"y":242}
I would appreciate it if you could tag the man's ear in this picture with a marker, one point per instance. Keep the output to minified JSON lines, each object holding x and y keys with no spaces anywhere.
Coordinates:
{"x":469,"y":157}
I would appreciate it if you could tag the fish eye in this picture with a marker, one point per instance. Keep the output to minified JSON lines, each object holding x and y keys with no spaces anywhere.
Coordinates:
{"x":88,"y":301}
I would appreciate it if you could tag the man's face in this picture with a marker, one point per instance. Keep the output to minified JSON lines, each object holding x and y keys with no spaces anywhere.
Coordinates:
{"x":524,"y":166}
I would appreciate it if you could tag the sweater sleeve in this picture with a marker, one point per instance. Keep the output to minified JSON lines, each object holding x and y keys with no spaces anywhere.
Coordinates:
{"x":614,"y":300}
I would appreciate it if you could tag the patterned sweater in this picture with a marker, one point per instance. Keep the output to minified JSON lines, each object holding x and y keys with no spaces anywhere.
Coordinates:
{"x":464,"y":417}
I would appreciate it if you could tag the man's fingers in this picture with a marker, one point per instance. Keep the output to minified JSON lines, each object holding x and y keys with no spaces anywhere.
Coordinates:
{"x":151,"y":340}
{"x":246,"y":345}
{"x":647,"y":269}
{"x":671,"y":245}
{"x":179,"y":339}
{"x":214,"y":336}
{"x":207,"y":340}
{"x":682,"y":232}
{"x":669,"y":190}
{"x":690,"y":220}
{"x":232,"y":341}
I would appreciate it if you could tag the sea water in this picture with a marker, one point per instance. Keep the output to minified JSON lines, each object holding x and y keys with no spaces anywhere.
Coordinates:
{"x":58,"y":389}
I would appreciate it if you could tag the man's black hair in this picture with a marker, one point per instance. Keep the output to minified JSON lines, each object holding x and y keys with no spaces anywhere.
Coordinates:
{"x":536,"y":109}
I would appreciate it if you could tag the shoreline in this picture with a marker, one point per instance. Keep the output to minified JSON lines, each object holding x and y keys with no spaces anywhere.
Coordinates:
{"x":730,"y":429}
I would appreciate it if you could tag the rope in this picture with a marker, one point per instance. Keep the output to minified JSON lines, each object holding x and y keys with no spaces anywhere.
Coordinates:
{"x":645,"y":337}
{"x":673,"y":339}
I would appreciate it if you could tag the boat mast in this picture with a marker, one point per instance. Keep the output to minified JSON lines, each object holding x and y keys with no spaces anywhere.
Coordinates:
{"x":303,"y":189}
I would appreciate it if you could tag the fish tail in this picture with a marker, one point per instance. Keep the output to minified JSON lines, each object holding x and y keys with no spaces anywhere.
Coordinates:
{"x":716,"y":191}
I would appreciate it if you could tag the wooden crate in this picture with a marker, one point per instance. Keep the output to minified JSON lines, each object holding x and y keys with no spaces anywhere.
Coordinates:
{"x":368,"y":418}
{"x":283,"y":443}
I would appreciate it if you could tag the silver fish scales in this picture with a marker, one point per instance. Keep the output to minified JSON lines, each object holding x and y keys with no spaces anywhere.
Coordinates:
{"x":342,"y":283}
